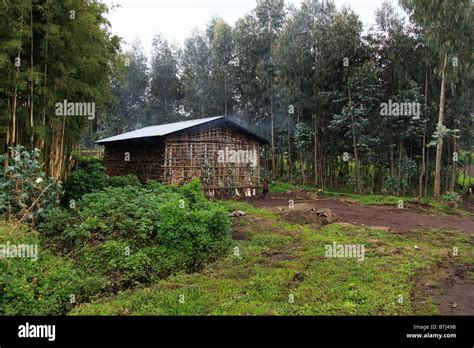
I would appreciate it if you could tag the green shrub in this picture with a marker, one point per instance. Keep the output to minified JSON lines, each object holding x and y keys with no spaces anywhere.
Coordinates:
{"x":26,"y":193}
{"x":452,"y":197}
{"x":41,"y":286}
{"x":167,"y":229}
{"x":391,"y":184}
{"x":90,"y":177}
{"x":131,"y":266}
{"x":56,"y":222}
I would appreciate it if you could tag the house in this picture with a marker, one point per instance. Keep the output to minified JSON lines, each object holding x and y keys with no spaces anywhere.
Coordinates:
{"x":222,"y":154}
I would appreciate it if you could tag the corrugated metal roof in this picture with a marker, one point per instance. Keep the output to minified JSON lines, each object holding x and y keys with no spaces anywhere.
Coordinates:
{"x":161,"y":130}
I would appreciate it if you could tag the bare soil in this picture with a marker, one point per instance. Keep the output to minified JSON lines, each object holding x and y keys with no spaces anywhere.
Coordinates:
{"x":456,"y":296}
{"x":398,"y":220}
{"x":453,"y":293}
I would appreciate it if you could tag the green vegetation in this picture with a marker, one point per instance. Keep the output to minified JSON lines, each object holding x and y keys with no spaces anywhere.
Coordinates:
{"x":89,"y":177}
{"x":165,"y":250}
{"x":41,"y":286}
{"x":119,"y":246}
{"x":26,"y":192}
{"x":281,"y":259}
{"x":139,"y":234}
{"x":425,"y":203}
{"x":113,"y":239}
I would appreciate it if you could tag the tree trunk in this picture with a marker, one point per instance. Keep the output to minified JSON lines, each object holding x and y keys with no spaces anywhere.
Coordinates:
{"x":13,"y":128}
{"x":383,"y":179}
{"x":356,"y":153}
{"x":272,"y":116}
{"x":391,"y":161}
{"x":372,"y":187}
{"x":439,"y":145}
{"x":452,"y":185}
{"x":315,"y":151}
{"x":273,"y":137}
{"x":427,"y":177}
{"x":399,"y":174}
{"x":423,"y":169}
{"x":302,"y":167}
{"x":225,"y":92}
{"x":447,"y":172}
{"x":289,"y":149}
{"x":31,"y":76}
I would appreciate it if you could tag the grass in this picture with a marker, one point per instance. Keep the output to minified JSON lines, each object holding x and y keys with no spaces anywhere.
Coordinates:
{"x":282,"y":270}
{"x":431,"y":204}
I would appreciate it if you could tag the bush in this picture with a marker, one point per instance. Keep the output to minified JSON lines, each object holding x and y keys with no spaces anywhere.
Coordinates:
{"x":87,"y":178}
{"x":90,"y":177}
{"x":391,"y":184}
{"x":26,"y":193}
{"x":452,"y":198}
{"x":43,"y":286}
{"x":165,"y":228}
{"x":129,"y":266}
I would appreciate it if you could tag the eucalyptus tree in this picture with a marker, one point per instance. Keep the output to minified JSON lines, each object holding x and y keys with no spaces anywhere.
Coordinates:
{"x":126,"y":109}
{"x":223,"y":64}
{"x":247,"y":55}
{"x":359,"y":113}
{"x":196,"y":76}
{"x":270,"y":15}
{"x":164,"y":95}
{"x":447,"y":29}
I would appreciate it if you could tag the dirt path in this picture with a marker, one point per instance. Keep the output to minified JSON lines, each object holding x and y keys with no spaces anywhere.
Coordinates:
{"x":454,"y":296}
{"x":399,"y":220}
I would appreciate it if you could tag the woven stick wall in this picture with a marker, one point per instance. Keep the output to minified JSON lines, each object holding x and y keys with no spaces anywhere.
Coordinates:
{"x":227,"y":162}
{"x":143,"y":158}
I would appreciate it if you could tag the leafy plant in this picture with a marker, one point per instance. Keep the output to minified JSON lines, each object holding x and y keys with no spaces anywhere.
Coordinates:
{"x":452,"y":198}
{"x":27,"y":193}
{"x":90,"y":177}
{"x":46,"y":285}
{"x":166,"y":229}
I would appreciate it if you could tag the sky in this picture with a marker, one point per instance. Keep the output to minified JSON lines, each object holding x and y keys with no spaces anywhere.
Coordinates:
{"x":175,"y":19}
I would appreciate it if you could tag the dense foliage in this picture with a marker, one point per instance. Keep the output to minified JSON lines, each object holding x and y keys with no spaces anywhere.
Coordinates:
{"x":313,"y":81}
{"x":136,"y":234}
{"x":89,"y":176}
{"x":113,"y":239}
{"x":26,"y":192}
{"x":44,"y":285}
{"x":52,"y":51}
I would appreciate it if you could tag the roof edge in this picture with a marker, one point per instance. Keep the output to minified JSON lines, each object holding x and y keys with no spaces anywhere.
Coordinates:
{"x":212,"y":121}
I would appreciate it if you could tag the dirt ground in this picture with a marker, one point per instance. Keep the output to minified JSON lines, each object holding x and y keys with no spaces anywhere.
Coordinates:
{"x":398,"y":220}
{"x":455,"y":295}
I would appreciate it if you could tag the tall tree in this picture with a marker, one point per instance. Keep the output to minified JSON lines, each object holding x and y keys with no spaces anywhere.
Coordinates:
{"x":165,"y":95}
{"x":271,"y":16}
{"x":447,"y":27}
